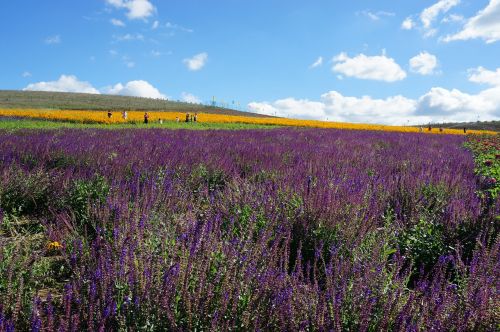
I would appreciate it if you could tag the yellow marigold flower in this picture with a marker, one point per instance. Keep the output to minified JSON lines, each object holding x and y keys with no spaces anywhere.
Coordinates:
{"x":154,"y":116}
{"x":54,"y":246}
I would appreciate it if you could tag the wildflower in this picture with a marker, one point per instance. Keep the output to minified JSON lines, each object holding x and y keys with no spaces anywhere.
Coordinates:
{"x":54,"y":246}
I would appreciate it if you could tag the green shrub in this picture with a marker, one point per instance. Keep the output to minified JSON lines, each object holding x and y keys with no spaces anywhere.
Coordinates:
{"x":82,"y":195}
{"x":25,"y":193}
{"x":423,"y":244}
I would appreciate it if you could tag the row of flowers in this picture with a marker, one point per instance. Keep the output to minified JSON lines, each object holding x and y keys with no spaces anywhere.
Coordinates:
{"x":138,"y":117}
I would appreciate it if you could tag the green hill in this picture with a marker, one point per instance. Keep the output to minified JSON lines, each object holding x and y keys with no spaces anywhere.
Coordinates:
{"x":84,"y":101}
{"x":479,"y":125}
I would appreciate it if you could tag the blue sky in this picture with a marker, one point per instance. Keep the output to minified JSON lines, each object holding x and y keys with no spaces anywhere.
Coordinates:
{"x":386,"y":61}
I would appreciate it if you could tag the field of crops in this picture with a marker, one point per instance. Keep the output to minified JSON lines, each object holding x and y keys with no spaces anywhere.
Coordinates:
{"x":285,"y":229}
{"x":138,"y":117}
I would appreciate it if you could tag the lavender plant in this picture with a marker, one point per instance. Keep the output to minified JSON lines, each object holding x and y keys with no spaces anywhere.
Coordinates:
{"x":245,"y":230}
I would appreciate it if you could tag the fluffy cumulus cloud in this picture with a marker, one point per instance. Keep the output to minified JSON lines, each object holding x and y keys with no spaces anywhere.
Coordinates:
{"x":455,"y":105}
{"x":336,"y":107}
{"x":70,"y":83}
{"x":379,"y":67}
{"x":65,"y":83}
{"x":291,"y":108}
{"x":136,"y":9}
{"x":484,"y":25}
{"x":437,"y":105}
{"x":136,"y":89}
{"x":190,"y":98}
{"x":197,"y":62}
{"x":424,"y":63}
{"x":485,"y":76}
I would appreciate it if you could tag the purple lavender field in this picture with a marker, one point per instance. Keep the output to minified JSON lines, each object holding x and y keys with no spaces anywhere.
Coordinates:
{"x":286,"y":230}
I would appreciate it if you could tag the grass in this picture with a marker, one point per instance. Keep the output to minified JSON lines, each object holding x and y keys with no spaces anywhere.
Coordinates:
{"x":18,"y":124}
{"x":92,"y":102}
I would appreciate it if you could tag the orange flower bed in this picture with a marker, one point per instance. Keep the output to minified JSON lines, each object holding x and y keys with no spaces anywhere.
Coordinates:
{"x":138,"y":117}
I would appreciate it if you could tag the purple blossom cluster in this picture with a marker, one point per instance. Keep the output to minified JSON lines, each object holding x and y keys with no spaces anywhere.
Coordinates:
{"x":288,"y":229}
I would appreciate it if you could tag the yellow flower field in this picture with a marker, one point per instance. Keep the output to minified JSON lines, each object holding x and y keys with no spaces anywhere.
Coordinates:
{"x":137,"y":117}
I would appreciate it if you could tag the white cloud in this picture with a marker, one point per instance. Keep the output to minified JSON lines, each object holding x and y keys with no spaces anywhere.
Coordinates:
{"x":429,"y":15}
{"x":65,"y":83}
{"x":155,"y":25}
{"x":129,"y":37}
{"x":136,"y":89}
{"x":53,"y":40}
{"x":136,"y":9}
{"x":485,"y":25}
{"x":139,"y":9}
{"x":437,"y":105}
{"x":128,"y":62}
{"x":155,"y":53}
{"x":337,"y":107}
{"x":455,"y":105}
{"x":376,"y":16}
{"x":26,"y":74}
{"x":117,"y":22}
{"x":453,"y":18}
{"x":317,"y":63}
{"x":190,"y":98}
{"x":116,"y":3}
{"x":424,"y":63}
{"x":408,"y":24}
{"x":290,"y":107}
{"x":70,"y":83}
{"x":379,"y":67}
{"x":484,"y":76}
{"x":173,"y":26}
{"x":197,"y":62}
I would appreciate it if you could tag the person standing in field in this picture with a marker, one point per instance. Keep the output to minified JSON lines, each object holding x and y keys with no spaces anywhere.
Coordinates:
{"x":187,"y":117}
{"x":124,"y":115}
{"x":109,"y":114}
{"x":177,"y":119}
{"x":146,"y":118}
{"x":195,"y":117}
{"x":465,"y":130}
